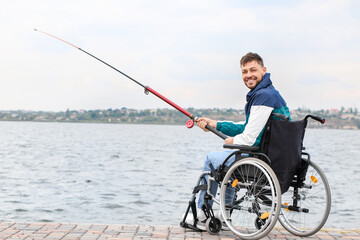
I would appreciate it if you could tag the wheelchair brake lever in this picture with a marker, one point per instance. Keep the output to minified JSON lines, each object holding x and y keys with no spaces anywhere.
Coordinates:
{"x":213,"y":171}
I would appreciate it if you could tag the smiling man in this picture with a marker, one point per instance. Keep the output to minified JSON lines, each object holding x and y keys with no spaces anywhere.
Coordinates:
{"x":262,"y":100}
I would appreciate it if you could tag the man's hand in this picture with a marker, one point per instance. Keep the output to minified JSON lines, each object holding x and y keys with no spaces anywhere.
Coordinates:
{"x":203,"y":121}
{"x":229,"y":140}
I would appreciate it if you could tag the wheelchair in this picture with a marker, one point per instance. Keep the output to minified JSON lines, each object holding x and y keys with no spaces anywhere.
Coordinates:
{"x":275,"y":181}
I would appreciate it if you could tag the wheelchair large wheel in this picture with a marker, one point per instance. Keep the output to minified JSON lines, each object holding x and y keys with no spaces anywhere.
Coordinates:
{"x":250,"y":198}
{"x":312,"y":204}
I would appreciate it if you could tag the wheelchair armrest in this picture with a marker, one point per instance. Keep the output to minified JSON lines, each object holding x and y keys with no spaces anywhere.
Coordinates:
{"x":242,"y":147}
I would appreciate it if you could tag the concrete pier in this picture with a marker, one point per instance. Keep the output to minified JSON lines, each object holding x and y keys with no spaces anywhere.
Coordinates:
{"x":87,"y":231}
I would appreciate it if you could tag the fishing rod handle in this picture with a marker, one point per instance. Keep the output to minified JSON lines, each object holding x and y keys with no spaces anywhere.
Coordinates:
{"x":210,"y":128}
{"x":218,"y":133}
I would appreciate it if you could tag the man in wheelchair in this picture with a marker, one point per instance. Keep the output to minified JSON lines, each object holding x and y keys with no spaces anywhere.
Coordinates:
{"x":262,"y":100}
{"x":265,"y":160}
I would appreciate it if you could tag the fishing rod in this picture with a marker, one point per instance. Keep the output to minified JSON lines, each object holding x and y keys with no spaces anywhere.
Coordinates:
{"x":147,"y":89}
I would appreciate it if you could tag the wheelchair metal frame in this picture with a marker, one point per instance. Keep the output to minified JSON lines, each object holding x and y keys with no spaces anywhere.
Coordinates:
{"x":298,"y":184}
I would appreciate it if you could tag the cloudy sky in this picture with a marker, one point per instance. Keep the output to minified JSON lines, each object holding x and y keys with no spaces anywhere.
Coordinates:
{"x":187,"y":50}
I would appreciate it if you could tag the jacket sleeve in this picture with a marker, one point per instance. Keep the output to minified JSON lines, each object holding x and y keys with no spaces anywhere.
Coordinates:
{"x":256,"y":123}
{"x":230,"y":128}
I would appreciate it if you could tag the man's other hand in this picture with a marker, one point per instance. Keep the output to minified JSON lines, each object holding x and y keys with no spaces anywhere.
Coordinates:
{"x":229,"y":140}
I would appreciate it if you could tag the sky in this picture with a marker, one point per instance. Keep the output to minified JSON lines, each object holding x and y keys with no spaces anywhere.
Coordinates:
{"x":189,"y":51}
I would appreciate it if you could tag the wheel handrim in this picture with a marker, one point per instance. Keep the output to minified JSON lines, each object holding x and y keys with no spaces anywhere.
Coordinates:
{"x":244,"y":224}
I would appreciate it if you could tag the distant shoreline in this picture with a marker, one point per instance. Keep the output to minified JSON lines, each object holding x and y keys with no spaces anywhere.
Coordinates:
{"x":335,"y":119}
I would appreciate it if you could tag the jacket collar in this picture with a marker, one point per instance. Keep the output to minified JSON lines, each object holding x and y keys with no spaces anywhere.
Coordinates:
{"x":265,"y":82}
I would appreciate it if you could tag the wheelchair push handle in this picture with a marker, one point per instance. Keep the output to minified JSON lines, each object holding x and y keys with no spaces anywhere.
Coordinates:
{"x":319,"y":119}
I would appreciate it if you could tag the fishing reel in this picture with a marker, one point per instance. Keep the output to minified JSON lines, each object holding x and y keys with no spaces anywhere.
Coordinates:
{"x":189,"y":123}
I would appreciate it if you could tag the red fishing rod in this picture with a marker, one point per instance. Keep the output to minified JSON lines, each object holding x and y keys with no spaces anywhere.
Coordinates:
{"x":147,"y":89}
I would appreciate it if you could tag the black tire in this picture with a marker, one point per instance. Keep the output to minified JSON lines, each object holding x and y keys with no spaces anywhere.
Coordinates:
{"x":250,"y":190}
{"x":213,"y":225}
{"x":314,"y":198}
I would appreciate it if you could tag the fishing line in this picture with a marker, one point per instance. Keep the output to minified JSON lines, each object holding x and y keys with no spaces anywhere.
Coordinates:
{"x":147,"y":89}
{"x":92,"y":56}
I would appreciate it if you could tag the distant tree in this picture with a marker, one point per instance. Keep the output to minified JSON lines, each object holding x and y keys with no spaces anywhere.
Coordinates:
{"x":67,"y":113}
{"x":357,"y":123}
{"x":342,"y":109}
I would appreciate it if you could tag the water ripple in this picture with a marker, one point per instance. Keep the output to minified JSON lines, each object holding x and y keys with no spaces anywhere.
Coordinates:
{"x":136,"y":174}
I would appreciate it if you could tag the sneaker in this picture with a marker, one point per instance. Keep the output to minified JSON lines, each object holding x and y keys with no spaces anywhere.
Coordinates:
{"x":224,"y":225}
{"x":189,"y":218}
{"x":201,"y":220}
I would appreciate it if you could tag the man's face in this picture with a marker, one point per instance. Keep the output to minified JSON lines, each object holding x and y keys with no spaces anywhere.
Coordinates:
{"x":252,"y":74}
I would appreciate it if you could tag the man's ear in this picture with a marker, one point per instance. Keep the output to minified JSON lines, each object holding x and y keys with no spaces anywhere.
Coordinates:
{"x":264,"y":70}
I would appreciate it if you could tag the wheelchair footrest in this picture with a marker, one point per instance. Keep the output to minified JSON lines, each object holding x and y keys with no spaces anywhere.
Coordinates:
{"x":190,"y":226}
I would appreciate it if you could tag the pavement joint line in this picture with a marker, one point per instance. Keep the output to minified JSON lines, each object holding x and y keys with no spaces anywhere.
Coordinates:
{"x":86,"y":231}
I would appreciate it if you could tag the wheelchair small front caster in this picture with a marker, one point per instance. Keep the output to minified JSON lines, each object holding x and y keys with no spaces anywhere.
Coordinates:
{"x":259,"y":223}
{"x":213,"y":225}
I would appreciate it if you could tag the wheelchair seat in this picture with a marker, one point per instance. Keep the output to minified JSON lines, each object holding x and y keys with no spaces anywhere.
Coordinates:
{"x":282,"y":143}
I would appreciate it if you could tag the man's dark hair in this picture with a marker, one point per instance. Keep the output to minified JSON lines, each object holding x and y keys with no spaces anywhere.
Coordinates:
{"x":249,"y":57}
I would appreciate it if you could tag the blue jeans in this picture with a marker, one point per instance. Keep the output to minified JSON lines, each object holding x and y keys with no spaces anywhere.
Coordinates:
{"x":216,"y":158}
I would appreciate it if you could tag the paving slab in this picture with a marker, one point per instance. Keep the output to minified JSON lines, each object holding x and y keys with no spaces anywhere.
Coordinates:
{"x":81,"y":231}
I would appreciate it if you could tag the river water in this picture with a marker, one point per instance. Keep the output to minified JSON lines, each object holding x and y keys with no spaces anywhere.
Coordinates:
{"x":137,"y":174}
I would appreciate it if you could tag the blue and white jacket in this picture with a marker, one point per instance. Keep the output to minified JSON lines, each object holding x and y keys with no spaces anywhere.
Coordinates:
{"x":261,"y":102}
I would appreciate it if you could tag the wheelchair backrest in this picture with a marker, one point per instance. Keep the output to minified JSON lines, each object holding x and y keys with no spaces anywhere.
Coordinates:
{"x":282,"y":142}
